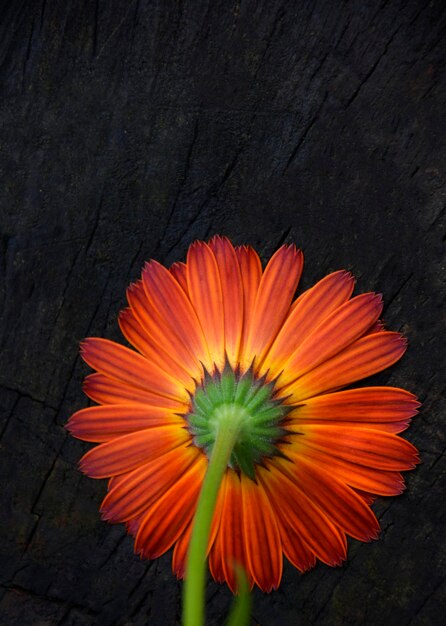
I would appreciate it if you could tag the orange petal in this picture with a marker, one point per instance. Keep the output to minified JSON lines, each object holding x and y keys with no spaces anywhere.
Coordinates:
{"x":139,"y":338}
{"x":307,"y":312}
{"x":216,"y":559}
{"x":215,"y":546}
{"x":362,"y":446}
{"x":274,"y":296}
{"x":364,"y":357}
{"x":133,"y":525}
{"x":129,"y":451}
{"x":179,"y":272}
{"x":263,"y":545}
{"x":174,"y":307}
{"x":338,"y":501}
{"x":368,"y":479}
{"x":385,"y":408}
{"x":322,"y":536}
{"x":370,"y":404}
{"x":367,"y":497}
{"x":130,"y":367}
{"x":204,"y":286}
{"x":296,"y":551}
{"x":251,"y":273}
{"x":182,"y":545}
{"x":105,"y":390}
{"x":389,"y":427}
{"x":159,"y":330}
{"x":231,"y":533}
{"x":326,"y":295}
{"x":169,"y":517}
{"x":378,"y":326}
{"x":133,"y":493}
{"x":180,"y":552}
{"x":341,"y":328}
{"x":232,"y":292}
{"x":102,"y":423}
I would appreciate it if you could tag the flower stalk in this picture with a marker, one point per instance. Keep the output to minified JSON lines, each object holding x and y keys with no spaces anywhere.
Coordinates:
{"x":228,"y":427}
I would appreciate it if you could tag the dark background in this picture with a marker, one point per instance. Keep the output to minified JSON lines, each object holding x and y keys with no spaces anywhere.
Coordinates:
{"x":129,"y":129}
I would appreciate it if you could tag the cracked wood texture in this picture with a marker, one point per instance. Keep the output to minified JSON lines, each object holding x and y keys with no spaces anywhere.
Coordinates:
{"x":128,"y":130}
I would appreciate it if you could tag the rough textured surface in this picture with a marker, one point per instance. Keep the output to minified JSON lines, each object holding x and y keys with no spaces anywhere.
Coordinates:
{"x":130,"y":129}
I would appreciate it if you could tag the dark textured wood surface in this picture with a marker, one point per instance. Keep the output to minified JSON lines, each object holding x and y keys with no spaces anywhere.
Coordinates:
{"x":128,"y":130}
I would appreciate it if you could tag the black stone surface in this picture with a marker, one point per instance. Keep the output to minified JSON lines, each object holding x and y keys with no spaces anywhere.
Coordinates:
{"x":129,"y":129}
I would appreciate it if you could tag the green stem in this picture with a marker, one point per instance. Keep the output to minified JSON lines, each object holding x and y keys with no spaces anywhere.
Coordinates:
{"x":228,"y":425}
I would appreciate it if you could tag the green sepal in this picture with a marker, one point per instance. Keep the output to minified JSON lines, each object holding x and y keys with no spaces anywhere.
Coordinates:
{"x":228,"y":395}
{"x":201,"y":401}
{"x":228,"y":384}
{"x":244,"y":387}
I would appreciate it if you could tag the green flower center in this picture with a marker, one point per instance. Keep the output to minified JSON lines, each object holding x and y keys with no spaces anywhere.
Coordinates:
{"x":227,"y":396}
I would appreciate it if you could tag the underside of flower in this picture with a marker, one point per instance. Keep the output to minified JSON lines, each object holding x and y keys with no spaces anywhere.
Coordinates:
{"x":227,"y":359}
{"x":229,"y":396}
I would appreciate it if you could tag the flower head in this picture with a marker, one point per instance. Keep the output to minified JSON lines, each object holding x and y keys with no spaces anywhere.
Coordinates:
{"x":217,"y":336}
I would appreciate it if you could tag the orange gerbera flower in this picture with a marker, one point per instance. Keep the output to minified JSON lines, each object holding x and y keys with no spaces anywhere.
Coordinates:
{"x":217,"y":331}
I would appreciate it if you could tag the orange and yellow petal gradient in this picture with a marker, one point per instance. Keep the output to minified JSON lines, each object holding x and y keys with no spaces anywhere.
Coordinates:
{"x":340,"y":448}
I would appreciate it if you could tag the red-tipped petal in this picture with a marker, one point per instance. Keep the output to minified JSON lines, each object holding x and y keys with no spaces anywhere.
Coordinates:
{"x":102,"y":423}
{"x":132,"y":493}
{"x":205,"y":292}
{"x":130,"y":367}
{"x":317,"y":531}
{"x":182,"y":545}
{"x":338,"y":501}
{"x":262,"y":538}
{"x":231,"y":533}
{"x":216,"y":560}
{"x":346,"y":324}
{"x":159,"y":329}
{"x":307,"y":312}
{"x":133,"y":525}
{"x":385,"y":408}
{"x":325,"y":296}
{"x":170,"y":515}
{"x":180,"y":552}
{"x":378,"y":326}
{"x":174,"y":307}
{"x":369,"y":479}
{"x":129,"y":451}
{"x":232,"y":292}
{"x":105,"y":390}
{"x":362,"y":446}
{"x":251,"y":273}
{"x":364,"y":357}
{"x":367,"y":497}
{"x":179,"y":272}
{"x":294,"y":548}
{"x":216,"y":555}
{"x":370,"y":404}
{"x":139,"y":338}
{"x":274,"y":296}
